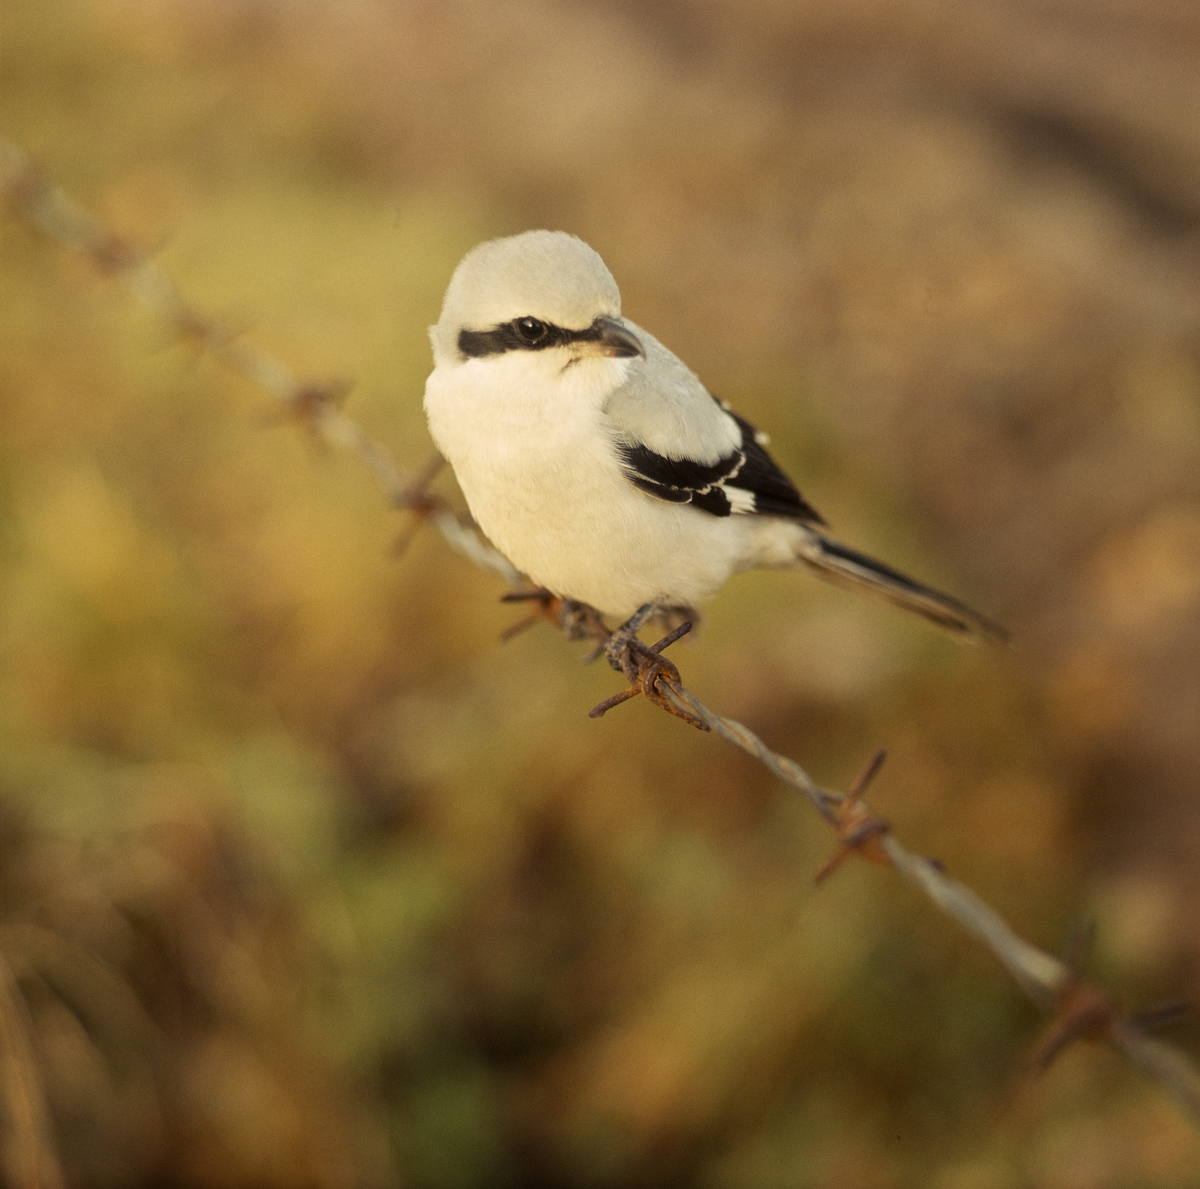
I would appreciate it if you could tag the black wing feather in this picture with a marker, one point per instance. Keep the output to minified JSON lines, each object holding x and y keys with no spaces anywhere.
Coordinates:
{"x":746,"y":471}
{"x":774,"y":493}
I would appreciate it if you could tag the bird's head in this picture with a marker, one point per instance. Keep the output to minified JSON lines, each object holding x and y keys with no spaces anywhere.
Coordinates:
{"x":540,"y":291}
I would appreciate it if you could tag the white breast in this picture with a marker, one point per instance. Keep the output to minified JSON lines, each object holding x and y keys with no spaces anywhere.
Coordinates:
{"x":532,"y":451}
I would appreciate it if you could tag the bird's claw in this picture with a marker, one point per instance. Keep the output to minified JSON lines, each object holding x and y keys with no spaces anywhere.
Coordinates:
{"x":621,"y":646}
{"x":576,"y":621}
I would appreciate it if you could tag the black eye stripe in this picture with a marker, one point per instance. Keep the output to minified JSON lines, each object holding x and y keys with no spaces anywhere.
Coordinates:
{"x":475,"y":344}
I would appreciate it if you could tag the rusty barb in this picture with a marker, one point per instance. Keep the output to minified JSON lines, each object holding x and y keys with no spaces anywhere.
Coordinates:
{"x":650,"y":674}
{"x":1085,"y":1010}
{"x":858,"y":827}
{"x":1081,"y":1010}
{"x":1078,"y":1009}
{"x":310,"y":403}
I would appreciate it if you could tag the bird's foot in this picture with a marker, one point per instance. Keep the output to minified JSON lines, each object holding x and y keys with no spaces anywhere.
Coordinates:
{"x":580,"y":621}
{"x":649,"y":672}
{"x":623,"y":646}
{"x":576,"y":621}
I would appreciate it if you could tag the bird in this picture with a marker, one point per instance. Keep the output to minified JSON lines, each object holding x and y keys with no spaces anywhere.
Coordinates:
{"x":597,"y":462}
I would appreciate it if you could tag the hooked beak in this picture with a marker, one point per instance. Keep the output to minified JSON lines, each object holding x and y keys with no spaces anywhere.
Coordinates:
{"x":616,"y":340}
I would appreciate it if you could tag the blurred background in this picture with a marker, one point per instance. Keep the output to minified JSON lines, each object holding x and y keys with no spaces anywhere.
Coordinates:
{"x":308,"y":881}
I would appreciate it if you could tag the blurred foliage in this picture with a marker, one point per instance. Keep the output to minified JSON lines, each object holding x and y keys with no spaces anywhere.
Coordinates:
{"x":308,"y":881}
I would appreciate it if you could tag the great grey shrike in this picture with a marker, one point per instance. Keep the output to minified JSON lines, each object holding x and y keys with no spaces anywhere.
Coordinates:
{"x":598,"y":464}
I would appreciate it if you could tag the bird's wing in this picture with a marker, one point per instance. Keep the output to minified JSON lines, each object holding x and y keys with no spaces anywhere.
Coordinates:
{"x":677,"y":442}
{"x":747,"y":480}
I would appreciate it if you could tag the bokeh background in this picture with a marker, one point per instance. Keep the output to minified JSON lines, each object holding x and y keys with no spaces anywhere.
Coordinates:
{"x":308,"y":881}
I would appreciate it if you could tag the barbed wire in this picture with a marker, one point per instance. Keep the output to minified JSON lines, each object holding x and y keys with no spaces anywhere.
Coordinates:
{"x":1079,"y":1009}
{"x":317,"y":405}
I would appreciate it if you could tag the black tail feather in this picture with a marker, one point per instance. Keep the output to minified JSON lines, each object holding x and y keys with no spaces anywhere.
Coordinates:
{"x":836,"y":563}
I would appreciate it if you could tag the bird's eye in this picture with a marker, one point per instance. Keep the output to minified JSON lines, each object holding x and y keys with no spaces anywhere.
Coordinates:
{"x":531,"y":330}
